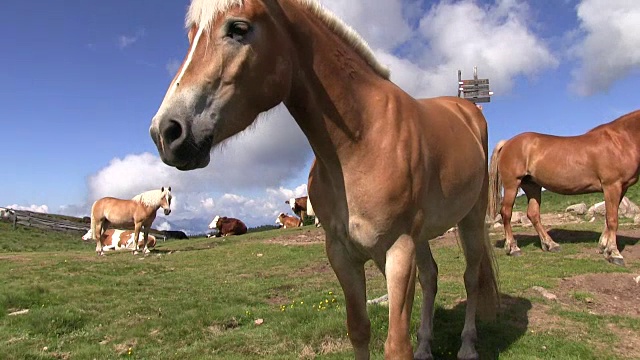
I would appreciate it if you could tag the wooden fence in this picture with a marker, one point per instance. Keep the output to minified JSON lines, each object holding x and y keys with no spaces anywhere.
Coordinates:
{"x":45,"y":221}
{"x":57,"y":222}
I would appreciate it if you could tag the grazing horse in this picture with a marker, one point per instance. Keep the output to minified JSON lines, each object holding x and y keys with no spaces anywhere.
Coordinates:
{"x":605,"y":159}
{"x":116,"y":239}
{"x":391,"y":172}
{"x":139,"y":212}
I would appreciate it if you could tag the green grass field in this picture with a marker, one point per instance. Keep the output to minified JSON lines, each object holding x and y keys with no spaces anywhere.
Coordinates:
{"x":200,"y":299}
{"x":552,"y":202}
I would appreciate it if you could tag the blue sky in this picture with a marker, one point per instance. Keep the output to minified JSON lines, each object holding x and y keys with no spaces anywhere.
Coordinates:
{"x":80,"y":83}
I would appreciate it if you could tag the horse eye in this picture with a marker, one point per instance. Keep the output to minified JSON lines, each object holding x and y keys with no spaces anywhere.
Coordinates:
{"x":238,"y":30}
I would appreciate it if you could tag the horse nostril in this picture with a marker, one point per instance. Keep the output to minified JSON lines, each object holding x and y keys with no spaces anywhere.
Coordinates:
{"x":172,"y":131}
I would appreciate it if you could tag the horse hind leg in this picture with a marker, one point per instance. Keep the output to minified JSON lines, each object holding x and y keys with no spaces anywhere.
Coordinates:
{"x":509,"y":197}
{"x":534,"y":199}
{"x":98,"y":232}
{"x":428,"y":277}
{"x":479,"y":278}
{"x":612,"y":197}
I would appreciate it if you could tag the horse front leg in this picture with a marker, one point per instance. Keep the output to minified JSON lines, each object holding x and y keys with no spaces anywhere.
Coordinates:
{"x":136,"y":236}
{"x":534,"y":198}
{"x":428,"y":277}
{"x":350,"y":274}
{"x":145,"y":233}
{"x":608,"y":241}
{"x":400,"y":271}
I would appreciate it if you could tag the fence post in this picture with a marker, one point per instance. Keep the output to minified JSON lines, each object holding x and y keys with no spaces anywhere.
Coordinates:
{"x":15,"y":220}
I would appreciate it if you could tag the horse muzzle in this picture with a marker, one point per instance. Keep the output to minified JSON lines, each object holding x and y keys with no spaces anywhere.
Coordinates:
{"x":177,"y":146}
{"x":167,"y":211}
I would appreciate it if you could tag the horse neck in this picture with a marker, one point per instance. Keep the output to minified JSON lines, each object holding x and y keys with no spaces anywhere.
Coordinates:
{"x":332,"y":87}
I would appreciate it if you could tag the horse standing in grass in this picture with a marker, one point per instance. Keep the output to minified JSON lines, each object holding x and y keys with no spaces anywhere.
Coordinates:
{"x":605,"y":159}
{"x":391,"y":172}
{"x":139,"y":212}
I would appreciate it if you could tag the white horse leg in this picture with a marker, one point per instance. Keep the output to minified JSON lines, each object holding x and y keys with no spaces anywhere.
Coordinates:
{"x":400,"y":271}
{"x":428,"y":277}
{"x":350,"y":274}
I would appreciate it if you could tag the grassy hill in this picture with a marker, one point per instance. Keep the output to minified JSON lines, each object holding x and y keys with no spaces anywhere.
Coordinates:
{"x":201,"y":298}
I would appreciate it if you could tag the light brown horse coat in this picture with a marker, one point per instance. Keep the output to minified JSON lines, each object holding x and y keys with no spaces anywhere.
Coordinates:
{"x":605,"y":159}
{"x":391,"y":172}
{"x":139,"y":212}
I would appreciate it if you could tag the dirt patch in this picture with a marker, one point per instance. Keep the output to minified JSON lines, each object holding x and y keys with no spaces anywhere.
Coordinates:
{"x":307,"y":237}
{"x":602,"y":294}
{"x":628,"y":345}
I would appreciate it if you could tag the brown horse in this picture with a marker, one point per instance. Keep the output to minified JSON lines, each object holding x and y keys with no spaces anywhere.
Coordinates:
{"x":605,"y":159}
{"x":139,"y":212}
{"x":391,"y":172}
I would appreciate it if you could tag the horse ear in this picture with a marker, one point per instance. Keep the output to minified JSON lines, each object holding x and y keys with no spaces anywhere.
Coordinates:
{"x":162,"y":189}
{"x":169,"y":188}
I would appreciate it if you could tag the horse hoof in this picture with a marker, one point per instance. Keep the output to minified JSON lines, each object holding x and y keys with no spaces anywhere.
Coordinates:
{"x":616,"y":261}
{"x":554,"y":249}
{"x":135,"y":253}
{"x":422,"y":357}
{"x":516,"y":253}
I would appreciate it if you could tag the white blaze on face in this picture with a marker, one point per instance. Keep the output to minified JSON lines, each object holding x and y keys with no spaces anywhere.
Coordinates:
{"x":176,"y":83}
{"x":278,"y":222}
{"x":214,"y":222}
{"x":292,"y":203}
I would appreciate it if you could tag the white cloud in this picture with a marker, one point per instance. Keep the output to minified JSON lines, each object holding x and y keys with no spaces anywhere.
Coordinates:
{"x":34,"y":208}
{"x":498,"y":39}
{"x":424,"y":49}
{"x":172,"y":66}
{"x":608,"y":50}
{"x":163,"y":226}
{"x":124,"y":41}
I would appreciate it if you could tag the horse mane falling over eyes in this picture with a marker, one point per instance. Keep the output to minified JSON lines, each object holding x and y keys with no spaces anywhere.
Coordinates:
{"x":391,"y":172}
{"x":139,"y":212}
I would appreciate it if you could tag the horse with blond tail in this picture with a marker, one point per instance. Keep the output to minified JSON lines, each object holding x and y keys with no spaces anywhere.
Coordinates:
{"x":605,"y":159}
{"x":139,"y":212}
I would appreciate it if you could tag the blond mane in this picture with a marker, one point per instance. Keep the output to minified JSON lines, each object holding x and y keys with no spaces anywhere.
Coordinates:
{"x":152,"y":198}
{"x":202,"y":13}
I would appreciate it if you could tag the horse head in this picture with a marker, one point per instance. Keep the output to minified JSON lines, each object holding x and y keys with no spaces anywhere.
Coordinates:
{"x":239,"y":64}
{"x":165,"y":203}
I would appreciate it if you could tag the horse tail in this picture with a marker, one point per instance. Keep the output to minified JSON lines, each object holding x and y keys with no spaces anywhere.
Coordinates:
{"x":488,"y":290}
{"x":495,"y":183}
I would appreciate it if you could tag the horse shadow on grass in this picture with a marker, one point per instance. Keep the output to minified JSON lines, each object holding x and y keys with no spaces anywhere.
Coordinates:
{"x":493,"y":337}
{"x":565,"y":236}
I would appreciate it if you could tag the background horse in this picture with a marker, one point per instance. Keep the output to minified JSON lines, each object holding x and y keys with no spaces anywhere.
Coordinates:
{"x":605,"y":159}
{"x":391,"y":172}
{"x":139,"y":212}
